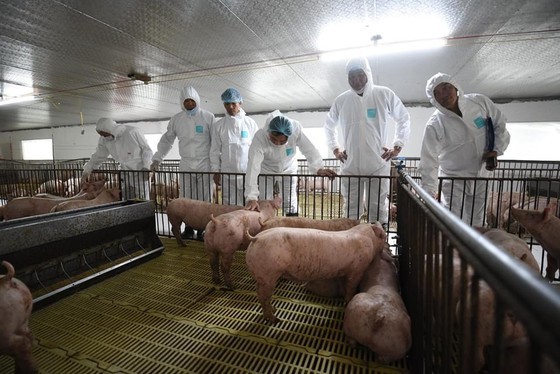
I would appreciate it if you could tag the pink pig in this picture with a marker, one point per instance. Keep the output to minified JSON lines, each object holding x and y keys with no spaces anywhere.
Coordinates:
{"x":193,"y":213}
{"x":377,"y":317}
{"x":225,"y":235}
{"x":16,"y":339}
{"x":545,"y":228}
{"x":308,"y":255}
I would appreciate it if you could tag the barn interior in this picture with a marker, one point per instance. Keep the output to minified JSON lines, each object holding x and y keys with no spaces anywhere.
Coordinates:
{"x":112,"y":290}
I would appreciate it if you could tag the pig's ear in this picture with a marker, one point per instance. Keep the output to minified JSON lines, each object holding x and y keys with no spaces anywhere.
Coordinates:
{"x":548,"y":212}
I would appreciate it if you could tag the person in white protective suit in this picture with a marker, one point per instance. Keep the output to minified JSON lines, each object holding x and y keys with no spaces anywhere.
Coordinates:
{"x":192,"y":126}
{"x":456,"y":141}
{"x":361,"y":114}
{"x":231,"y":138}
{"x":274,"y":152}
{"x":128,"y":146}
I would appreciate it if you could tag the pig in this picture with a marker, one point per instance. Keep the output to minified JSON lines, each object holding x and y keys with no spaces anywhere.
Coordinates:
{"x":72,"y":186}
{"x":106,"y":196}
{"x":29,"y":206}
{"x":510,"y":224}
{"x":225,"y":234}
{"x":308,"y":255}
{"x":193,"y":213}
{"x":512,"y":244}
{"x":337,"y":224}
{"x":517,"y":359}
{"x":162,"y":193}
{"x":320,"y":184}
{"x":54,"y":187}
{"x":497,"y":208}
{"x":377,"y":317}
{"x":545,"y":228}
{"x":16,"y":339}
{"x":484,"y":329}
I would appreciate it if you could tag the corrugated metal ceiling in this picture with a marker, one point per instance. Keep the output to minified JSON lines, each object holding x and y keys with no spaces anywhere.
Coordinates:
{"x":75,"y":55}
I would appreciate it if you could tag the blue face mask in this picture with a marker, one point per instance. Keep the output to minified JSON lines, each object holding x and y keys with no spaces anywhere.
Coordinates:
{"x":192,"y":112}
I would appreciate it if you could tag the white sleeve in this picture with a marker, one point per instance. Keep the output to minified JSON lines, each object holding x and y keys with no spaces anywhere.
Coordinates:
{"x":402,"y":118}
{"x":331,"y":130}
{"x":429,"y":160}
{"x":255,"y":159}
{"x":101,"y":153}
{"x":314,"y":159}
{"x":215,"y":148}
{"x":165,"y":143}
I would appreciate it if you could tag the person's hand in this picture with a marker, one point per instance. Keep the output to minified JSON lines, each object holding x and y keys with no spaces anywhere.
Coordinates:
{"x":252,"y":205}
{"x":154,"y":166}
{"x":491,"y":159}
{"x":342,"y":156}
{"x":85,"y":178}
{"x":324,"y":172}
{"x":217,"y":179}
{"x":390,"y":153}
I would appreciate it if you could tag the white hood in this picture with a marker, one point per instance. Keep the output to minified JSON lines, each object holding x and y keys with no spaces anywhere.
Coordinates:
{"x":433,"y":82}
{"x":189,"y":93}
{"x":360,"y":63}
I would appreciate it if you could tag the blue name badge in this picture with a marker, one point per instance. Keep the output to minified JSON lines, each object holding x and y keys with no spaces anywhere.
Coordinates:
{"x":372,"y":113}
{"x":199,"y":129}
{"x":289,"y":151}
{"x":244,"y":134}
{"x":479,"y":122}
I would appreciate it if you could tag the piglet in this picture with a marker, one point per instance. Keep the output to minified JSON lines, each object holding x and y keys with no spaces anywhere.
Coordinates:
{"x":30,"y":206}
{"x":107,"y":196}
{"x":545,"y":228}
{"x":16,"y":339}
{"x":225,"y":234}
{"x":194,"y":213}
{"x":308,"y":255}
{"x":377,"y":317}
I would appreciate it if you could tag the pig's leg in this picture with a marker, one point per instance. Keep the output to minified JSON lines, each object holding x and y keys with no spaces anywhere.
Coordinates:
{"x":176,"y":230}
{"x":225,"y":266}
{"x":264,"y":293}
{"x":22,"y":346}
{"x":351,"y":286}
{"x":551,"y":267}
{"x":214,"y":265}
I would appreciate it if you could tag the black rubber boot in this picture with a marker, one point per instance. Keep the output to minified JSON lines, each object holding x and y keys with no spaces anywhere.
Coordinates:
{"x":200,"y":235}
{"x":188,"y":233}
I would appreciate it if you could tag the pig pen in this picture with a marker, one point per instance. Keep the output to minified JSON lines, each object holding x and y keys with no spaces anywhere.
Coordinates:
{"x":166,"y":316}
{"x":445,"y":337}
{"x":58,"y":253}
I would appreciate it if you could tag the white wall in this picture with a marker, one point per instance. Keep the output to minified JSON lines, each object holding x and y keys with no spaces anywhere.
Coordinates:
{"x":70,"y":143}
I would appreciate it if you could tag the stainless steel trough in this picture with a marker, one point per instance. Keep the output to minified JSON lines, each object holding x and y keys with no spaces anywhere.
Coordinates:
{"x":56,"y":254}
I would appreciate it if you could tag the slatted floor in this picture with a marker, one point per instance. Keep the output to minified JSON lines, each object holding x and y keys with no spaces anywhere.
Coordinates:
{"x":165,"y":316}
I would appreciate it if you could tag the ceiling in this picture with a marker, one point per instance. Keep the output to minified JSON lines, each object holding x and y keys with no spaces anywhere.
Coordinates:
{"x":75,"y":56}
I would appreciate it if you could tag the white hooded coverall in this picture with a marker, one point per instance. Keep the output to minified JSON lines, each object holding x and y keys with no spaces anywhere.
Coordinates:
{"x":193,"y":129}
{"x":455,"y":145}
{"x":362,"y":121}
{"x":129,"y":148}
{"x":231,"y":138}
{"x":267,"y":158}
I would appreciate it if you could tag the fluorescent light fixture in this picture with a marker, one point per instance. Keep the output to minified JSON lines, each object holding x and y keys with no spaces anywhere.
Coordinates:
{"x":400,"y":33}
{"x":16,"y":100}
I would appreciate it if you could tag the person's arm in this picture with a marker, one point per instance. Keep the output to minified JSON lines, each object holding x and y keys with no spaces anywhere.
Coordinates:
{"x":101,"y":153}
{"x":215,"y":148}
{"x":331,"y":130}
{"x":165,"y":142}
{"x":501,"y":135}
{"x":254,"y":162}
{"x":400,"y":115}
{"x":145,"y":150}
{"x":429,"y":160}
{"x":314,"y":159}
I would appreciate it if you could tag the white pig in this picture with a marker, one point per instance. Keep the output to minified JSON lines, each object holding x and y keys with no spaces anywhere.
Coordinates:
{"x":337,"y":224}
{"x":225,"y":235}
{"x":30,"y":206}
{"x":308,"y":255}
{"x":16,"y":339}
{"x":377,"y":317}
{"x":106,"y":196}
{"x":193,"y":213}
{"x":545,"y":228}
